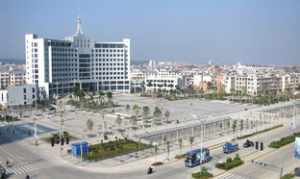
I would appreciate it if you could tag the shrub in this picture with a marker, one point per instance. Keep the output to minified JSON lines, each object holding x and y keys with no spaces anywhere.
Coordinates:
{"x":157,"y":163}
{"x":203,"y":174}
{"x":284,"y":141}
{"x":180,"y":156}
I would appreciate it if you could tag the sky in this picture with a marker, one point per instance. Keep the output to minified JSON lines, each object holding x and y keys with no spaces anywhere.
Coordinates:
{"x":193,"y":31}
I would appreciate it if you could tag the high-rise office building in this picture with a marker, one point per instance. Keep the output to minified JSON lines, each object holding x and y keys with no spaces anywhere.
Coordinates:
{"x":56,"y":66}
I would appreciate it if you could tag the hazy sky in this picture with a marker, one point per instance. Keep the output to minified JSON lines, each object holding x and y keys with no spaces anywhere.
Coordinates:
{"x":192,"y":31}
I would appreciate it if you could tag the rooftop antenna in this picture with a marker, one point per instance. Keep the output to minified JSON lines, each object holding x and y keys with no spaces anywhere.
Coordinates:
{"x":78,"y":26}
{"x":78,"y":20}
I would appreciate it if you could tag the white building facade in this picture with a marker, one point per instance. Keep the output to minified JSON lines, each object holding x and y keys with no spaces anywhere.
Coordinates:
{"x":163,"y":80}
{"x":55,"y":66}
{"x":18,"y":95}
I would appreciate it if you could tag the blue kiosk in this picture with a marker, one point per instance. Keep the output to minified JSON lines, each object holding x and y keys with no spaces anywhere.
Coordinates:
{"x":78,"y":147}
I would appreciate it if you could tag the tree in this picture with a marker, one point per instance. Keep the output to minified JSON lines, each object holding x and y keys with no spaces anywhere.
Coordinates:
{"x":247,"y":123}
{"x":136,"y":110}
{"x":167,"y":115}
{"x":127,"y":107}
{"x":165,"y":139}
{"x":157,"y":112}
{"x":180,"y":141}
{"x":252,"y":124}
{"x":234,"y":125}
{"x":109,"y":96}
{"x":90,"y":124}
{"x":119,"y":120}
{"x":133,"y":120}
{"x":191,"y":139}
{"x":146,"y":111}
{"x":168,"y":148}
{"x":242,"y":124}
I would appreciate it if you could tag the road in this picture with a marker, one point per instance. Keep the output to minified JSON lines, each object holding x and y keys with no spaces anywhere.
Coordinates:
{"x":26,"y":161}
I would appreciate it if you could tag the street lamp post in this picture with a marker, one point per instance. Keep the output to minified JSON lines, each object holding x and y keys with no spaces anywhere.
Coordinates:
{"x":35,"y":131}
{"x":61,"y":130}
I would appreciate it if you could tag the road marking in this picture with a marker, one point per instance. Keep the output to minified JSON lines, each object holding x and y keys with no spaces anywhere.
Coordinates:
{"x":19,"y":170}
{"x":228,"y":175}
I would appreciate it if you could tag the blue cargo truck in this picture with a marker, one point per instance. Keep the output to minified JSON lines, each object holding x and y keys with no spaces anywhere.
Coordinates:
{"x":197,"y":157}
{"x":230,"y":147}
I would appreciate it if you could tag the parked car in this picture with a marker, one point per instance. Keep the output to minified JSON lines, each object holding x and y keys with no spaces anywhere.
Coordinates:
{"x":248,"y":144}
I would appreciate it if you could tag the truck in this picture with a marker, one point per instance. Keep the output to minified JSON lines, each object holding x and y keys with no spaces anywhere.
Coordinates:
{"x":197,"y":157}
{"x":230,"y":147}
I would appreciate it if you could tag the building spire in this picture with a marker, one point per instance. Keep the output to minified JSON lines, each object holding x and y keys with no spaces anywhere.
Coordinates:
{"x":78,"y":25}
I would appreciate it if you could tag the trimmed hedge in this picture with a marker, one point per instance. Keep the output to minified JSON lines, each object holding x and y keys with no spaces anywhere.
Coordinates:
{"x":180,"y":156}
{"x":284,"y":141}
{"x":230,"y":163}
{"x":8,"y":118}
{"x":259,"y":132}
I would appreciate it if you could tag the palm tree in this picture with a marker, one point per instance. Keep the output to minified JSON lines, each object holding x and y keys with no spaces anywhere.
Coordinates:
{"x":101,"y":97}
{"x":77,"y":92}
{"x":167,"y":115}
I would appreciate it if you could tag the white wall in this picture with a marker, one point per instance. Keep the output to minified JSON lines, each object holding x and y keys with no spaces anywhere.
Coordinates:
{"x":21,"y":95}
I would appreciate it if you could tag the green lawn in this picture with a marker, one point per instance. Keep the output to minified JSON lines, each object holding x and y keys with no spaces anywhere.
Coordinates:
{"x":288,"y":176}
{"x":114,"y":148}
{"x":230,"y":163}
{"x":203,"y":174}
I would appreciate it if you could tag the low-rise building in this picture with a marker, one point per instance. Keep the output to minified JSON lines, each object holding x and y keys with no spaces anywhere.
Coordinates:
{"x":18,"y":95}
{"x":252,"y":84}
{"x":163,"y":80}
{"x":137,"y":80}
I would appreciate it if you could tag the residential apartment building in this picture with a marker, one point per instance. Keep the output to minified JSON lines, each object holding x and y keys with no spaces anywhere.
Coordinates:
{"x":252,"y":84}
{"x":55,"y":66}
{"x":12,"y":78}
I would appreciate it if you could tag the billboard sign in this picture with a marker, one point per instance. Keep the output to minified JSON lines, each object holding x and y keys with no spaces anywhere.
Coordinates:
{"x":297,"y":148}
